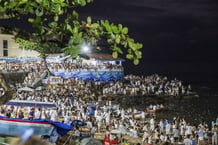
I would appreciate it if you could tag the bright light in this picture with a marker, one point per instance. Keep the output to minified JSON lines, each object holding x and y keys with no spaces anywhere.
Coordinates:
{"x":86,"y":48}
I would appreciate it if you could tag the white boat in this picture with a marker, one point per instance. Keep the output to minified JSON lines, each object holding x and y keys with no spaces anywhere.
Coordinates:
{"x":16,"y":127}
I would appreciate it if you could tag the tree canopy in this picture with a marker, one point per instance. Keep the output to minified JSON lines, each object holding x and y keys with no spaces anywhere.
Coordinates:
{"x":57,"y":27}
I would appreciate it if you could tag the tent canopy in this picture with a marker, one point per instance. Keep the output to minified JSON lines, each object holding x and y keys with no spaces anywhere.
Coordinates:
{"x":27,"y":89}
{"x":31,"y":104}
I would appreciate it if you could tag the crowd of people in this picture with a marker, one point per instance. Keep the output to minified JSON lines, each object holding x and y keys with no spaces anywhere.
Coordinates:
{"x":76,"y":99}
{"x":135,"y":85}
{"x":58,"y":66}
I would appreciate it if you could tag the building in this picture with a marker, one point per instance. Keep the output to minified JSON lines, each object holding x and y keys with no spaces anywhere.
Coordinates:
{"x":9,"y":48}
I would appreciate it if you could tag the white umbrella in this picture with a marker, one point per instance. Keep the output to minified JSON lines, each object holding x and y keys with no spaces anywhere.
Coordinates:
{"x":27,"y":89}
{"x":90,"y":141}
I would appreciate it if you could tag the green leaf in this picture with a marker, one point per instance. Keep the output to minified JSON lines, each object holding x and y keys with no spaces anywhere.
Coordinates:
{"x":89,"y":20}
{"x":118,"y":50}
{"x":138,"y":53}
{"x":129,"y":56}
{"x":75,"y":15}
{"x":125,"y":30}
{"x":107,"y":26}
{"x":31,"y":20}
{"x":39,"y":1}
{"x":117,"y":39}
{"x":53,"y":24}
{"x":114,"y":29}
{"x":139,"y":45}
{"x":75,"y":30}
{"x":94,"y":25}
{"x":82,"y":3}
{"x":136,"y":61}
{"x":110,"y":41}
{"x":115,"y":54}
{"x":131,"y":44}
{"x":56,"y":18}
{"x":39,"y":12}
{"x":120,"y":27}
{"x":69,"y":28}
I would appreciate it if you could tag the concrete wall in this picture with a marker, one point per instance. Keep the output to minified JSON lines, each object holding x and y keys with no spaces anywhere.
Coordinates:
{"x":13,"y":48}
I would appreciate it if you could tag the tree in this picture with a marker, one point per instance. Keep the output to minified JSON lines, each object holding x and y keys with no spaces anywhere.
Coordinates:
{"x":57,"y":27}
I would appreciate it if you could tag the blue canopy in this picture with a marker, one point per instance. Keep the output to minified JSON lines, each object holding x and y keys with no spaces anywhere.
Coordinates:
{"x":62,"y":128}
{"x":91,"y":75}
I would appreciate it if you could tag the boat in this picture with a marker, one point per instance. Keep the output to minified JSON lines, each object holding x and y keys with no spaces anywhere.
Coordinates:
{"x":154,"y":111}
{"x":16,"y":127}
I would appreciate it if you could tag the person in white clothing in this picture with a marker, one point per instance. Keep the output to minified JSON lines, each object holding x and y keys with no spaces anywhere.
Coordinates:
{"x":152,"y":124}
{"x":214,"y":136}
{"x":37,"y":114}
{"x":187,"y":140}
{"x":53,"y":115}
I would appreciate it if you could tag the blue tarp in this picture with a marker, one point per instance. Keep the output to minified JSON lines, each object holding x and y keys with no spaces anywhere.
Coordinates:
{"x":62,"y":128}
{"x":95,"y":76}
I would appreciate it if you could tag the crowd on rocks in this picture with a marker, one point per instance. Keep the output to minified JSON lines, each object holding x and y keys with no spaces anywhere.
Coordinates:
{"x":131,"y":84}
{"x":153,"y":84}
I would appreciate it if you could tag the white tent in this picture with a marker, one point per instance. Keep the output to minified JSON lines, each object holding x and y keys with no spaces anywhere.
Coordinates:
{"x":27,"y":89}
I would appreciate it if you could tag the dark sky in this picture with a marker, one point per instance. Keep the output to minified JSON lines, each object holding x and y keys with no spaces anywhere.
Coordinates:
{"x":179,"y":36}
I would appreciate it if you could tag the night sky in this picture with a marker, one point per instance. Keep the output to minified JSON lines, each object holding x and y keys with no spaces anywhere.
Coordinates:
{"x":180,"y":37}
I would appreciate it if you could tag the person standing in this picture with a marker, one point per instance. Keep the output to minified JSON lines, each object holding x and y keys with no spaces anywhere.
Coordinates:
{"x":200,"y":134}
{"x":31,"y":114}
{"x":187,"y":140}
{"x":93,"y":130}
{"x":37,"y":114}
{"x":176,"y":134}
{"x":77,"y":134}
{"x":53,"y":115}
{"x":214,"y":136}
{"x":89,"y":125}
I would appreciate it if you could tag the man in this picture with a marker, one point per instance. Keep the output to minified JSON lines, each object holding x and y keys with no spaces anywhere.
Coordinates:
{"x":200,"y":134}
{"x":77,"y":134}
{"x":187,"y":140}
{"x":89,"y":125}
{"x":214,"y":136}
{"x":37,"y":114}
{"x":53,"y":115}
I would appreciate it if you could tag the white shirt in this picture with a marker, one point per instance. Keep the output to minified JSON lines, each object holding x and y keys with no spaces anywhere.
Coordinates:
{"x":37,"y":114}
{"x":54,"y":115}
{"x":187,"y":141}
